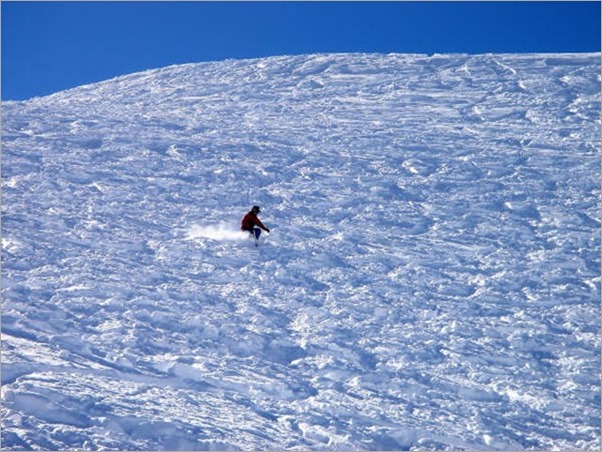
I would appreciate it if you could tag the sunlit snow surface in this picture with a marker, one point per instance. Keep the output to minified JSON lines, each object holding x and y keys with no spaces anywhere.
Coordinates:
{"x":432,"y":279}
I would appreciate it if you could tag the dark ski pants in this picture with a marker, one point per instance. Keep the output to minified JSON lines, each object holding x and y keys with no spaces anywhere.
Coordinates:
{"x":255,"y":232}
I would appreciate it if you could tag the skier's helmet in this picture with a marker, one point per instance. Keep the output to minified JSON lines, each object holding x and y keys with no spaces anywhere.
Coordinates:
{"x":256,"y":209}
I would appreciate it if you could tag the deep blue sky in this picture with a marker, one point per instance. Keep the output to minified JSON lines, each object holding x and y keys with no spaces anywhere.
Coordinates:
{"x":51,"y":46}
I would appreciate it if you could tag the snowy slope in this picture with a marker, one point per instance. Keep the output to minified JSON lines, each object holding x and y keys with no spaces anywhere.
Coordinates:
{"x":432,"y":279}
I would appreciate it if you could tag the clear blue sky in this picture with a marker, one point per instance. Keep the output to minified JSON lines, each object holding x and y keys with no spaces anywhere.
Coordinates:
{"x":51,"y":46}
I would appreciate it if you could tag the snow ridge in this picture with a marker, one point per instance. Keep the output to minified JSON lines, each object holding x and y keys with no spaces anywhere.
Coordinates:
{"x":431,"y":280}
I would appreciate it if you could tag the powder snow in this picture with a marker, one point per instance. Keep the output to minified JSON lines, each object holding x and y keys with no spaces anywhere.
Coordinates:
{"x":431,"y":280}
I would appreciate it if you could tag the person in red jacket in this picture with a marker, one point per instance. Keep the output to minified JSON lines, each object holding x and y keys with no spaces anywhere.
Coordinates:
{"x":252,"y":223}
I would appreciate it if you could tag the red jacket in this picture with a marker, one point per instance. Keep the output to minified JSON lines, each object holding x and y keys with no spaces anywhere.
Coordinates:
{"x":250,"y":220}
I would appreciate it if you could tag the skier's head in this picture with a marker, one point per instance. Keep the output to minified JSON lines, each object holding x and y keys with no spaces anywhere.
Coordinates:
{"x":255,"y":209}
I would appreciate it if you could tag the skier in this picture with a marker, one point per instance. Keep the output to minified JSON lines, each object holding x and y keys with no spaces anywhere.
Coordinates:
{"x":252,"y":224}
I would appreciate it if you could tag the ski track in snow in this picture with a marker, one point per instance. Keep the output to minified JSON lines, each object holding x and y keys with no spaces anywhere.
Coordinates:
{"x":432,"y":279}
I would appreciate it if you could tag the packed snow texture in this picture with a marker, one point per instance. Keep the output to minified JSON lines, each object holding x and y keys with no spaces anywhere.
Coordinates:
{"x":431,"y":280}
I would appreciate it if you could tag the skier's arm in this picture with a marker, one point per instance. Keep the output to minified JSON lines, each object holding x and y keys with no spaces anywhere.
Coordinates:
{"x":261,"y":225}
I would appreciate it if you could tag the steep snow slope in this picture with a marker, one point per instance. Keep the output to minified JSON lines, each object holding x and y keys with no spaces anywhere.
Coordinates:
{"x":432,"y":279}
